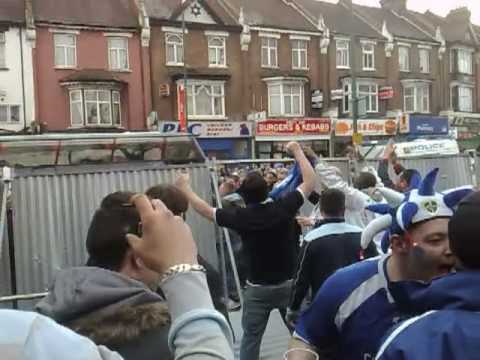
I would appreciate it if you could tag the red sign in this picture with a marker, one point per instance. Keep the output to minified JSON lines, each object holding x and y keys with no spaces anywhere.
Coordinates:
{"x":304,"y":126}
{"x":182,"y":119}
{"x":385,"y":93}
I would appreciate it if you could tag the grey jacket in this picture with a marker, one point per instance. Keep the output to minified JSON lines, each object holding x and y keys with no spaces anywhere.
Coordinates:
{"x":198,"y":332}
{"x":111,"y":310}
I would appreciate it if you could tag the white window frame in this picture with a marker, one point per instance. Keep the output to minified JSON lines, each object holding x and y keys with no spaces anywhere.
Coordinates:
{"x":83,"y":101}
{"x":462,"y":90}
{"x":177,"y":48}
{"x":416,"y":88}
{"x":266,"y":44}
{"x":191,"y":92}
{"x":117,"y":53}
{"x":282,"y":84}
{"x":371,"y":93}
{"x":64,"y":48}
{"x":9,"y":114}
{"x":3,"y":49}
{"x":342,"y":53}
{"x":347,"y":96}
{"x":404,"y":53}
{"x":368,"y":56}
{"x":424,"y":60}
{"x":216,"y":62}
{"x":465,"y":61}
{"x":299,"y":51}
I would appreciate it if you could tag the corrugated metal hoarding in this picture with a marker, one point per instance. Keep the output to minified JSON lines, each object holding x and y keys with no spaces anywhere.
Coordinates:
{"x":53,"y":209}
{"x":456,"y":170}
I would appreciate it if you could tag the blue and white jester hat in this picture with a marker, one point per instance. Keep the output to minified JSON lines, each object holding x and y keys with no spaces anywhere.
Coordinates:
{"x":420,"y":204}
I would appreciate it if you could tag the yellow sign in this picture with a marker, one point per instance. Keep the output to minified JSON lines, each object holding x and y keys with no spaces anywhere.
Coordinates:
{"x":357,"y":138}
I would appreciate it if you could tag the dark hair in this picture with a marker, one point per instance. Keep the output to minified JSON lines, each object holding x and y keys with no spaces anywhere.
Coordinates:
{"x":254,"y":188}
{"x":365,"y":180}
{"x":408,"y":175}
{"x":106,"y":242}
{"x":172,"y":197}
{"x":462,"y":232}
{"x":332,"y":203}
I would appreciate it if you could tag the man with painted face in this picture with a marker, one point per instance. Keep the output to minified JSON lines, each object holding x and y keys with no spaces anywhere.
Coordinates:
{"x":354,"y":308}
{"x":448,"y":309}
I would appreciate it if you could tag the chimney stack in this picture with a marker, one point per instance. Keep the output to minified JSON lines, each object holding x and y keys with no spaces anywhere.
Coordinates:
{"x":394,"y":5}
{"x":461,"y":15}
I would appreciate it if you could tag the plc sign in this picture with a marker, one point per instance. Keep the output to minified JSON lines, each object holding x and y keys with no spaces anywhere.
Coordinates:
{"x":210,"y":129}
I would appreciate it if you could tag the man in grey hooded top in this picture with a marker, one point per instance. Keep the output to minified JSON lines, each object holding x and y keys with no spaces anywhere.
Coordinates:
{"x":114,"y":300}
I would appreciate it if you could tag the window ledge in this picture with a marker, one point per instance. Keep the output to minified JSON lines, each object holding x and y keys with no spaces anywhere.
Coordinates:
{"x":365,"y":69}
{"x":218,"y":66}
{"x":121,"y":70}
{"x":270,"y":67}
{"x":175,"y":64}
{"x":200,"y":117}
{"x":301,"y":69}
{"x":285,"y":116}
{"x":405,"y":71}
{"x":343,"y":67}
{"x":59,"y":67}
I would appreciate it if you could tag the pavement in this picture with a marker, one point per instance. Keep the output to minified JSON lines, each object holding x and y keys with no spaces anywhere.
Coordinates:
{"x":274,"y":342}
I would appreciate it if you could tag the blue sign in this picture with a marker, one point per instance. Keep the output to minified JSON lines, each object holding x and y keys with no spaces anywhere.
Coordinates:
{"x":428,"y":125}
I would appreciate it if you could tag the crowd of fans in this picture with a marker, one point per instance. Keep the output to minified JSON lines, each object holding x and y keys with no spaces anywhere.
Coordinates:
{"x":387,"y":269}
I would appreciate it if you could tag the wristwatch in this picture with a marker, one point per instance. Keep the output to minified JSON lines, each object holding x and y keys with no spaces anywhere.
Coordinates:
{"x":180,"y":269}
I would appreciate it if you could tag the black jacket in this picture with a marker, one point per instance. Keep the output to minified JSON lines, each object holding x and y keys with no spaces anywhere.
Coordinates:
{"x":330,"y":246}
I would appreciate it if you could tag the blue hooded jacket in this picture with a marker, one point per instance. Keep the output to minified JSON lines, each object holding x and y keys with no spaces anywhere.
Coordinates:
{"x":449,"y":325}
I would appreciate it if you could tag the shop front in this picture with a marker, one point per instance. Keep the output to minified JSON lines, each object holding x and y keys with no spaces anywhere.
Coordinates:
{"x":466,"y":128}
{"x":272,"y":136}
{"x":223,"y":140}
{"x":371,"y":130}
{"x":423,"y":126}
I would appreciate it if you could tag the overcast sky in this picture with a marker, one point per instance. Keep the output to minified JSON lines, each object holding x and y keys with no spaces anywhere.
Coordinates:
{"x":441,"y":7}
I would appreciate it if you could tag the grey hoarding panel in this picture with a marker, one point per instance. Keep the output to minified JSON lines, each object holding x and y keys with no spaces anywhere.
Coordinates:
{"x":454,"y":170}
{"x":53,"y":211}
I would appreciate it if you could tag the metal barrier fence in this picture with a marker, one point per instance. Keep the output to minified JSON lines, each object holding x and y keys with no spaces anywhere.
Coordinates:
{"x":53,"y":209}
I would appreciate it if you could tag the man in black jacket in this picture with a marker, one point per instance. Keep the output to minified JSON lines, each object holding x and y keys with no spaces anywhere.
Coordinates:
{"x":333,"y":244}
{"x":270,"y":238}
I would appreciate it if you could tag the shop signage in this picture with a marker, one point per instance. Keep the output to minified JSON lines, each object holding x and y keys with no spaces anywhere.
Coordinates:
{"x":317,"y":99}
{"x":303,"y":126}
{"x":424,"y":125}
{"x":366,"y":127}
{"x":336,"y":94}
{"x":210,"y":129}
{"x":427,"y":147}
{"x":385,"y":93}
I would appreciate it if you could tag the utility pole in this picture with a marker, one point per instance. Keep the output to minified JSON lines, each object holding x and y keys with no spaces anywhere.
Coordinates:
{"x":185,"y":94}
{"x":353,"y":39}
